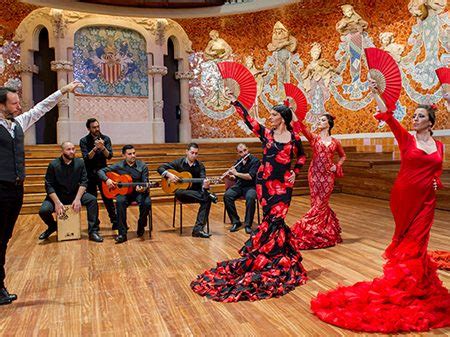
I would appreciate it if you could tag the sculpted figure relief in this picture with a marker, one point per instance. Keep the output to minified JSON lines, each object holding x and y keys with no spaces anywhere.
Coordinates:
{"x":318,"y":69}
{"x":217,"y":47}
{"x":281,"y":39}
{"x":282,"y":45}
{"x":258,"y":74}
{"x":388,"y":44}
{"x":421,"y":8}
{"x":352,"y":22}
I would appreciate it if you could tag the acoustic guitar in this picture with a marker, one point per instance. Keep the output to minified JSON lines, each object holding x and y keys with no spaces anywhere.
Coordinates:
{"x":125,"y":185}
{"x":184,"y":183}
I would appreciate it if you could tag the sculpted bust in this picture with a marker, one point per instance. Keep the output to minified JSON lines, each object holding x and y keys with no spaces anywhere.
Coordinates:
{"x":217,"y":47}
{"x":352,"y":22}
{"x":281,"y":39}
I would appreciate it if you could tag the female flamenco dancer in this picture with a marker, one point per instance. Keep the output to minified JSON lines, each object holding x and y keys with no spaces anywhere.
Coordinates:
{"x":442,"y":257}
{"x":409,"y":295}
{"x":319,"y":228}
{"x":269,"y":265}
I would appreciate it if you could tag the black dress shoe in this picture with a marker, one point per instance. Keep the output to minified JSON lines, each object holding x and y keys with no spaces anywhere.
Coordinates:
{"x":4,"y":292}
{"x":248,"y":229}
{"x":45,"y":235}
{"x":235,"y":227}
{"x":94,"y":236}
{"x":140,"y":232}
{"x":5,"y":299}
{"x":120,"y":238}
{"x":200,"y":234}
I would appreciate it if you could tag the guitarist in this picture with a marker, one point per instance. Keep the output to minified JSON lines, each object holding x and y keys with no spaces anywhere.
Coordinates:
{"x":138,"y":171}
{"x":198,"y":192}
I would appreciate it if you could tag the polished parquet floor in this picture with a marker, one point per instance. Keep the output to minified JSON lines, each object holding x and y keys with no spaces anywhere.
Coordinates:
{"x":141,"y":288}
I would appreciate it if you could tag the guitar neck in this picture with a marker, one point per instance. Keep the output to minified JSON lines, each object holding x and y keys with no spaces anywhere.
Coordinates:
{"x":149,"y":184}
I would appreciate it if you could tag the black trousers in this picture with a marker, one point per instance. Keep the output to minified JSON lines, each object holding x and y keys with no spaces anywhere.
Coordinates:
{"x":88,"y":200}
{"x":11,"y":200}
{"x":93,"y":183}
{"x":234,"y":193}
{"x":199,"y":197}
{"x":122,"y":203}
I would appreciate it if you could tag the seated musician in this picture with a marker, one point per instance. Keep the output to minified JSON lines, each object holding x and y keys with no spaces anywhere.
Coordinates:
{"x":65,"y":183}
{"x":244,"y":174}
{"x":138,"y":171}
{"x":198,"y":192}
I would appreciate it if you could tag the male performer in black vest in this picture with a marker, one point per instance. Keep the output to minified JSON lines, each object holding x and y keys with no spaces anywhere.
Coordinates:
{"x":97,"y":149}
{"x":244,"y":175}
{"x":12,"y":163}
{"x":138,"y":171}
{"x":65,"y":183}
{"x":197,"y":192}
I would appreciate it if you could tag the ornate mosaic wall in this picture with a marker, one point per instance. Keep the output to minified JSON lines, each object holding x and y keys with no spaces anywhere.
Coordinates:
{"x":12,"y":12}
{"x":333,"y":72}
{"x":110,"y":61}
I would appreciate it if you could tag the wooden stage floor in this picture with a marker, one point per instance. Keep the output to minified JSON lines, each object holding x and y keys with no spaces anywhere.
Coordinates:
{"x":141,"y":288}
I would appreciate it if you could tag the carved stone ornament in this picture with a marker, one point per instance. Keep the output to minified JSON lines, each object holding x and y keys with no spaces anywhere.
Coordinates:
{"x":161,"y":25}
{"x":157,"y":70}
{"x":63,"y":102}
{"x":59,"y":22}
{"x":184,"y":75}
{"x":158,"y":109}
{"x":61,"y":65}
{"x":26,"y":68}
{"x":217,"y":48}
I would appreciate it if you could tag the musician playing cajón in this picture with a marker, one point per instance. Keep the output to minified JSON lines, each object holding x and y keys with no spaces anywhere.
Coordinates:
{"x":138,"y":171}
{"x":197,"y":192}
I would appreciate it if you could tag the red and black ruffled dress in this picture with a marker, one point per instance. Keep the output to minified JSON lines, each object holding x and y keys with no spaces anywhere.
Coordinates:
{"x":269,"y":265}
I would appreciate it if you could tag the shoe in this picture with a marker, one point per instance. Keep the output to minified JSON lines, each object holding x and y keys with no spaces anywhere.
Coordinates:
{"x":5,"y":293}
{"x":140,"y":231}
{"x":200,"y":234}
{"x":120,"y":238}
{"x":248,"y":229}
{"x":45,"y":235}
{"x":94,"y":236}
{"x":235,"y":227}
{"x":5,"y":299}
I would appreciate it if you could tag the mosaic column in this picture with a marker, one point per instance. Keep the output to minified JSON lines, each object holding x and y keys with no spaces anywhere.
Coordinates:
{"x":158,"y":122}
{"x":26,"y":74}
{"x":185,"y":106}
{"x":63,"y":68}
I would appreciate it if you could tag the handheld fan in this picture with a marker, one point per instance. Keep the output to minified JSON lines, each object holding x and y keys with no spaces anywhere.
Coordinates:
{"x":301,"y":104}
{"x":244,"y":79}
{"x":385,"y":72}
{"x":444,"y":75}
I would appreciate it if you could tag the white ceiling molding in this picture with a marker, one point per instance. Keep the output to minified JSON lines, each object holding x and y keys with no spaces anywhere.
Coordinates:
{"x":235,"y":7}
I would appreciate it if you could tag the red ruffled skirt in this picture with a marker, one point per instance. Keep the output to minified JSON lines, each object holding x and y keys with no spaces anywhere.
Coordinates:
{"x":408,"y":297}
{"x":319,"y":228}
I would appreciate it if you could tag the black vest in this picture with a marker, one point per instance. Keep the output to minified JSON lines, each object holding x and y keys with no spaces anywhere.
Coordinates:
{"x":12,"y":155}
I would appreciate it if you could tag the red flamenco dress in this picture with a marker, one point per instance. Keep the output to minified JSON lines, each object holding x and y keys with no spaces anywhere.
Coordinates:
{"x":319,"y":227}
{"x":409,"y":295}
{"x":269,"y":265}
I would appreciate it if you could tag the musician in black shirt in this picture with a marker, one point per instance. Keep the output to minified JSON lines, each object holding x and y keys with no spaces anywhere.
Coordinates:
{"x":198,"y":192}
{"x":65,"y":184}
{"x":138,"y":171}
{"x":244,"y":175}
{"x":97,"y":149}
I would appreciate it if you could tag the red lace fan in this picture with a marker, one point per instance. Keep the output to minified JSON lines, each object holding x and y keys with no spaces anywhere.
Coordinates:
{"x":301,"y":104}
{"x":384,"y":71}
{"x":243,"y":78}
{"x":444,"y":75}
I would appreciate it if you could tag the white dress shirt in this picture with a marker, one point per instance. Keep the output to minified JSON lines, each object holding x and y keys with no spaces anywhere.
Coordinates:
{"x":30,"y":117}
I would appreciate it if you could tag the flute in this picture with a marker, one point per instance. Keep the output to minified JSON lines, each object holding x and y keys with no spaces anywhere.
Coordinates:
{"x":234,"y":166}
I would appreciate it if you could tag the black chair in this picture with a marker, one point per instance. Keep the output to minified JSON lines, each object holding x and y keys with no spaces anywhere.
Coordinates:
{"x":229,"y":183}
{"x":175,"y":201}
